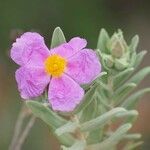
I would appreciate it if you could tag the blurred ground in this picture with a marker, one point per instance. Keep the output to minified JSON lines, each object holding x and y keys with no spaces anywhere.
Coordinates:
{"x":77,"y":18}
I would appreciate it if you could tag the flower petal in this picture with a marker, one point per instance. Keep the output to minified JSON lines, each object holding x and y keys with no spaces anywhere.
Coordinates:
{"x":67,"y":50}
{"x":31,"y":82}
{"x":64,"y":94}
{"x":77,"y":43}
{"x":29,"y":45}
{"x":84,"y":66}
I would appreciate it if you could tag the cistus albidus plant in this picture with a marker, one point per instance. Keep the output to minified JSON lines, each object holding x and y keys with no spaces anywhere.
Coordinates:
{"x":80,"y":93}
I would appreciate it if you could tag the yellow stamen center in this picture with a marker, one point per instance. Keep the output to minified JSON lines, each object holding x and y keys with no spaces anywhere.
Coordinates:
{"x":55,"y":65}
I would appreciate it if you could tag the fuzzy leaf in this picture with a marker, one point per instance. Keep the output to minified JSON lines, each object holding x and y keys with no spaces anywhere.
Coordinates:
{"x":89,"y":112}
{"x":135,"y":79}
{"x":121,"y":93}
{"x":121,"y":76}
{"x":46,"y":114}
{"x":102,"y":57}
{"x":134,"y":43}
{"x":102,"y":41}
{"x":130,"y":102}
{"x":88,"y":97}
{"x":103,"y":85}
{"x":111,"y":141}
{"x":102,"y":99}
{"x":139,"y":58}
{"x":127,"y":114}
{"x":57,"y":37}
{"x":138,"y":77}
{"x":132,"y":136}
{"x":133,"y":58}
{"x":78,"y":145}
{"x":69,"y":127}
{"x":132,"y":145}
{"x":101,"y":120}
{"x":50,"y":118}
{"x":100,"y":76}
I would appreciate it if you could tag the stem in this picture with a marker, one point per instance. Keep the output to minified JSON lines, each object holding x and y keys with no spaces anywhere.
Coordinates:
{"x":18,"y":127}
{"x":25,"y":133}
{"x":78,"y":134}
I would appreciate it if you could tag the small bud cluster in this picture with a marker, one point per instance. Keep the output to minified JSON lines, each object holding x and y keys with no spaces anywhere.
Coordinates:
{"x":118,"y":55}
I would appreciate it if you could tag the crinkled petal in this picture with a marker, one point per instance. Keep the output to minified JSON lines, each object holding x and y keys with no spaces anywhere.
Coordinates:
{"x":84,"y":66}
{"x":31,"y":82}
{"x":77,"y":43}
{"x":30,"y":47}
{"x":64,"y":94}
{"x":67,"y":50}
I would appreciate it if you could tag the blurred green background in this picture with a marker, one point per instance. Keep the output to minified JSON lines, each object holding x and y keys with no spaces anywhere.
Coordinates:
{"x":77,"y":18}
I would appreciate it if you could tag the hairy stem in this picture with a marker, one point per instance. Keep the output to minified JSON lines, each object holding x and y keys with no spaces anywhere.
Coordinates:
{"x":20,"y":134}
{"x":25,"y":133}
{"x":18,"y":127}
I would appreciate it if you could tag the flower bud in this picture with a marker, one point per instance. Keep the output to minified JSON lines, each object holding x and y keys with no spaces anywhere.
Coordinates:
{"x":121,"y":64}
{"x":117,"y":45}
{"x":109,"y":61}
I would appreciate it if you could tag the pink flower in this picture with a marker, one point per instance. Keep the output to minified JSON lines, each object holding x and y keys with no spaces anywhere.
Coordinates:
{"x":63,"y":69}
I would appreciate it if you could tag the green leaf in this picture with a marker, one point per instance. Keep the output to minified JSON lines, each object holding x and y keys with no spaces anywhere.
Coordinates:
{"x":127,"y":114}
{"x":121,"y":93}
{"x":121,"y":77}
{"x":50,"y":118}
{"x":103,"y":85}
{"x":119,"y":133}
{"x":133,"y":136}
{"x":102,"y":57}
{"x":101,"y":120}
{"x":87,"y":99}
{"x":130,"y":102}
{"x":138,"y":77}
{"x":139,"y":58}
{"x":111,"y":141}
{"x":102,"y":41}
{"x":118,"y":80}
{"x":121,"y":64}
{"x":133,"y":58}
{"x":89,"y":112}
{"x":132,"y":145}
{"x":102,"y":99}
{"x":57,"y":37}
{"x":100,"y":76}
{"x":46,"y":114}
{"x":69,"y":127}
{"x":78,"y":145}
{"x":134,"y":43}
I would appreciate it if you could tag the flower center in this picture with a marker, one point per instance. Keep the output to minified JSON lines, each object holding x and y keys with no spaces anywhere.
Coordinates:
{"x":55,"y":65}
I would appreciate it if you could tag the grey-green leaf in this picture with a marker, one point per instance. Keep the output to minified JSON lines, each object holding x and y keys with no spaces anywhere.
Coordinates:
{"x":102,"y":41}
{"x":121,"y":93}
{"x":111,"y":141}
{"x":132,"y":145}
{"x":134,"y":43}
{"x":132,"y":100}
{"x":50,"y":118}
{"x":132,"y":136}
{"x":127,"y":114}
{"x":138,"y":77}
{"x":121,"y":77}
{"x":87,"y":99}
{"x":101,"y":120}
{"x":78,"y":145}
{"x":69,"y":127}
{"x":46,"y":114}
{"x":139,"y":58}
{"x":57,"y":37}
